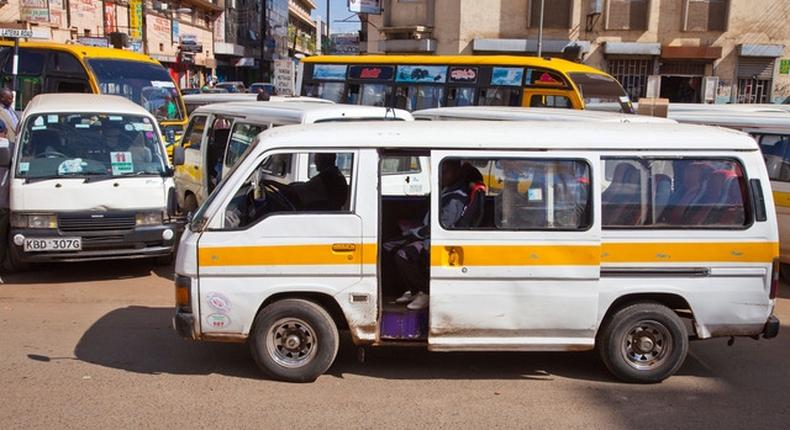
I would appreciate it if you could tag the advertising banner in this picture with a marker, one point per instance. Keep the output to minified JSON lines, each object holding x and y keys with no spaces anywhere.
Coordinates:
{"x":109,"y":17}
{"x":34,"y":10}
{"x":422,"y":74}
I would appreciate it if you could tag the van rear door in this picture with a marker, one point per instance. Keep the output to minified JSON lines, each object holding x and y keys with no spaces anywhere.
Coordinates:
{"x":524,"y":274}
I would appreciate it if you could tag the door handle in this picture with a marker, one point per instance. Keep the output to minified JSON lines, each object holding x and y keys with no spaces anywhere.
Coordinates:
{"x":344,"y":247}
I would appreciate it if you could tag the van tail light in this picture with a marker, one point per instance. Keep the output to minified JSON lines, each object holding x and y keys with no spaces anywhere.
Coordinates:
{"x":775,"y":272}
{"x":183,"y":293}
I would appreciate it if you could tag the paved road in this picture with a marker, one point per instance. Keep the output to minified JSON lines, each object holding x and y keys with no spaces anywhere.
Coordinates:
{"x":90,"y":346}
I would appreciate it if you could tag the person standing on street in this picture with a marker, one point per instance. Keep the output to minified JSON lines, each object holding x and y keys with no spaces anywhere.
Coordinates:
{"x":8,"y":114}
{"x":5,"y":183}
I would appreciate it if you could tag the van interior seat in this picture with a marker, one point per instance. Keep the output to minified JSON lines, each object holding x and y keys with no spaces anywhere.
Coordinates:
{"x":710,"y":199}
{"x":474,"y":209}
{"x":44,"y":141}
{"x":622,"y":200}
{"x":662,"y":192}
{"x":689,"y":191}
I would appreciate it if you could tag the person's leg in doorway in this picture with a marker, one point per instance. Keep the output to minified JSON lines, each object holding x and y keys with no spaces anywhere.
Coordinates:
{"x":411,"y":261}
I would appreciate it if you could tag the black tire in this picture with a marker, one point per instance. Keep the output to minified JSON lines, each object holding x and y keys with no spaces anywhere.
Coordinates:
{"x":784,"y":273}
{"x":663,"y":348}
{"x":310,"y":324}
{"x":190,"y":204}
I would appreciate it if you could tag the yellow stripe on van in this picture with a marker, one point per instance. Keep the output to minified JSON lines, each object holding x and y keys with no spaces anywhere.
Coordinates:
{"x":688,"y":252}
{"x":289,"y":255}
{"x":521,"y":255}
{"x":781,"y":199}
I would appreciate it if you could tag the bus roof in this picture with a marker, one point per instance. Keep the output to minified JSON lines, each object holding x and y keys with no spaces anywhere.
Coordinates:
{"x":83,"y":103}
{"x":207,"y":98}
{"x":509,"y":135}
{"x":497,"y":60}
{"x":510,"y":113}
{"x":86,"y":52}
{"x":299,"y":112}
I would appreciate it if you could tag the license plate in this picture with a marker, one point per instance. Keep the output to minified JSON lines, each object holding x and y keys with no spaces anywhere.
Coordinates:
{"x":53,"y":244}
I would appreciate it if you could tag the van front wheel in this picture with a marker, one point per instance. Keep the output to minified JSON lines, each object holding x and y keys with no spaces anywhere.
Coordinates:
{"x":644,"y":343}
{"x":294,"y":340}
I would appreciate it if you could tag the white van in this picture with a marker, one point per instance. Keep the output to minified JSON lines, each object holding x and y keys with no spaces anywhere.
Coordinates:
{"x":593,"y":242}
{"x":219,"y":134}
{"x":194,"y":101}
{"x":517,"y":113}
{"x":90,"y":181}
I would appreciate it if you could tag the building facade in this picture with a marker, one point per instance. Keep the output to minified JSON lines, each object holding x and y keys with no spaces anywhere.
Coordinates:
{"x":685,"y":50}
{"x":302,"y":29}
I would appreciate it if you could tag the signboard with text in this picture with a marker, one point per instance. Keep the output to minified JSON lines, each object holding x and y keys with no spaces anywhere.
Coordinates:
{"x":34,"y":10}
{"x":284,"y":74}
{"x":136,"y":19}
{"x":365,"y":6}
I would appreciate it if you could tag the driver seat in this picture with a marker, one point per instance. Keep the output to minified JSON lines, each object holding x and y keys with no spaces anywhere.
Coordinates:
{"x":43,"y":141}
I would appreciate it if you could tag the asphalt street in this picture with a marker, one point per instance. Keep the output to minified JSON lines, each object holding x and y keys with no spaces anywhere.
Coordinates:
{"x":91,"y":346}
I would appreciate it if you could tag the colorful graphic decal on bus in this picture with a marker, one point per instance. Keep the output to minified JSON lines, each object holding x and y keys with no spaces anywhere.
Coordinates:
{"x":381,"y":73}
{"x":466,"y":75}
{"x":544,"y":78}
{"x":330,"y":72}
{"x":422,"y":74}
{"x":509,"y":76}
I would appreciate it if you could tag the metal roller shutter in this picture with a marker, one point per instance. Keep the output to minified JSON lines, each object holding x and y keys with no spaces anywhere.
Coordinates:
{"x":756,"y":67}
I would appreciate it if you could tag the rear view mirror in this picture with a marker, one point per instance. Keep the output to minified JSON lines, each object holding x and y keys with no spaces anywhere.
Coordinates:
{"x":172,"y":203}
{"x":178,"y":156}
{"x":5,"y":152}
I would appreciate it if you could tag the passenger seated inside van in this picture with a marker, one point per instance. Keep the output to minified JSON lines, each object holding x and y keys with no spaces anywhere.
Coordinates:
{"x":328,"y":190}
{"x":409,"y":255}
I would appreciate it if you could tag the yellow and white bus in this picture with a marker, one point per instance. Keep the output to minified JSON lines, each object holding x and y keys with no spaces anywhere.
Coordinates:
{"x":414,"y":82}
{"x":47,"y":67}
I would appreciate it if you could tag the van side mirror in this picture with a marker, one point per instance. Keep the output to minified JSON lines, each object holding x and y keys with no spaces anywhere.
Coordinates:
{"x":172,"y":203}
{"x":178,"y":156}
{"x":5,"y":152}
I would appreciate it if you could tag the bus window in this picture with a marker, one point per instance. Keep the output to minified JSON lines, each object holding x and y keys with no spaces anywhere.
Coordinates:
{"x":333,"y":91}
{"x":539,"y":100}
{"x":376,"y":94}
{"x":499,"y":97}
{"x":65,"y":74}
{"x":596,"y":88}
{"x":461,"y":96}
{"x":415,"y":97}
{"x":777,"y":157}
{"x":30,"y":68}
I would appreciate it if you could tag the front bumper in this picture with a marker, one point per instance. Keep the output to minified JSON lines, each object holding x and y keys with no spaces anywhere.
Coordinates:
{"x":140,"y":242}
{"x":771,"y":328}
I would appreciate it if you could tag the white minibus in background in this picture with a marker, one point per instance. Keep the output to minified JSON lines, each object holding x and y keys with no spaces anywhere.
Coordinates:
{"x":219,"y":134}
{"x":90,"y":181}
{"x":592,"y":242}
{"x":510,"y":113}
{"x":194,"y":101}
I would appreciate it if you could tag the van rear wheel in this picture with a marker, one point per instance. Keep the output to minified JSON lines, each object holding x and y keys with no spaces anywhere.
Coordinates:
{"x":643,"y":343}
{"x":294,"y":340}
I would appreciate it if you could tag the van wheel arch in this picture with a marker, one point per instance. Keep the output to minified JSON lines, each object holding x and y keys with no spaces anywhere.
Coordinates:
{"x":676,"y":302}
{"x":327,"y":302}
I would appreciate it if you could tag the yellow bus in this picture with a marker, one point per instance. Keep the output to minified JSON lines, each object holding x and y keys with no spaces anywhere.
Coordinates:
{"x":414,"y":82}
{"x":48,"y":67}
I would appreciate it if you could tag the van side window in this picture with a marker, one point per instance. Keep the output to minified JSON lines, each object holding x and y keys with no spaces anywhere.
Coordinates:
{"x":531,"y":194}
{"x":673,"y":193}
{"x":240,"y":140}
{"x":194,"y":134}
{"x":776,"y":151}
{"x":263,"y":193}
{"x":400,"y":164}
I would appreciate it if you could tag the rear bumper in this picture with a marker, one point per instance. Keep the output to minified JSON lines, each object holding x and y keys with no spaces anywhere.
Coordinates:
{"x":140,"y":242}
{"x":184,"y":324}
{"x":771,"y":328}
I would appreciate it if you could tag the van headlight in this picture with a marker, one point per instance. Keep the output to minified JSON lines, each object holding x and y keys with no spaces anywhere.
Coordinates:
{"x":149,"y":218}
{"x":34,"y":221}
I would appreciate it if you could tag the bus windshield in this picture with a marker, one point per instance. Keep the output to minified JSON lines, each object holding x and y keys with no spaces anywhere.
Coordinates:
{"x":596,"y":88}
{"x":146,"y":84}
{"x":89,"y":145}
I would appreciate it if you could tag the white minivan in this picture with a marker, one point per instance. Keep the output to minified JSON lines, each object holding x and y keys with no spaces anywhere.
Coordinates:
{"x":90,"y":181}
{"x":592,"y":242}
{"x":219,"y":134}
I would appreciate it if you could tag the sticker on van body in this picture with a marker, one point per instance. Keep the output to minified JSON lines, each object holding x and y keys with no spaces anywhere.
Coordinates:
{"x":121,"y":163}
{"x":218,"y":302}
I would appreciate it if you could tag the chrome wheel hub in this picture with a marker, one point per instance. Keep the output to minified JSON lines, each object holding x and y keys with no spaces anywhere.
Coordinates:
{"x":291,"y":342}
{"x":646,"y":345}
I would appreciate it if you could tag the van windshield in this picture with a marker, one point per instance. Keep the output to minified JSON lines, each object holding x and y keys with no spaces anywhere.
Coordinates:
{"x":596,"y":88}
{"x":146,"y":84}
{"x":89,"y":144}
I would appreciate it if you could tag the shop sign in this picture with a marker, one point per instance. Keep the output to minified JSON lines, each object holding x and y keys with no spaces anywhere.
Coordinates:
{"x":109,"y":17}
{"x":508,"y":76}
{"x":422,"y":74}
{"x":784,"y":67}
{"x":136,"y":19}
{"x":284,"y":74}
{"x":467,"y":75}
{"x":34,"y":10}
{"x":365,"y":6}
{"x":382,"y":73}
